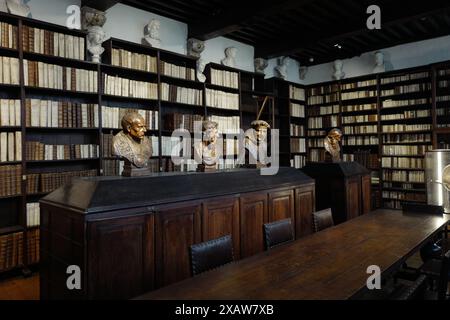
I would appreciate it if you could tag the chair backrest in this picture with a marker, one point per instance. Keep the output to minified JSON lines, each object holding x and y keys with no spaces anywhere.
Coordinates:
{"x":211,"y":254}
{"x":278,"y":232}
{"x":414,"y":291}
{"x":444,"y":276}
{"x":322,"y":219}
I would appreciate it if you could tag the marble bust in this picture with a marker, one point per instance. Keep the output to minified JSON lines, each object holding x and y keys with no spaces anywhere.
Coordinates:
{"x":379,"y":62}
{"x":200,"y":68}
{"x":260,"y":65}
{"x":17,"y":7}
{"x":208,"y":149}
{"x":281,"y":68}
{"x":132,"y":145}
{"x":338,"y":72}
{"x":256,"y":143}
{"x":195,"y":47}
{"x":95,"y":38}
{"x":151,"y":34}
{"x":331,"y":143}
{"x":230,"y":57}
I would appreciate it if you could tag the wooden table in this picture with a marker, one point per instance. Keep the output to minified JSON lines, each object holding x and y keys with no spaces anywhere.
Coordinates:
{"x":330,"y":264}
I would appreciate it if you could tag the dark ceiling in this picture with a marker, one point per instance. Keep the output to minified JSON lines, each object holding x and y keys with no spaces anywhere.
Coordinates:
{"x":304,"y":29}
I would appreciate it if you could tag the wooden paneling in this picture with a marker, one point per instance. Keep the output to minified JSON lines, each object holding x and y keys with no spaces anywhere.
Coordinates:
{"x":365,"y":194}
{"x":253,"y":216}
{"x":121,"y":261}
{"x":353,"y":197}
{"x":281,"y":205}
{"x":177,"y":228}
{"x":304,"y":207}
{"x":220,"y":217}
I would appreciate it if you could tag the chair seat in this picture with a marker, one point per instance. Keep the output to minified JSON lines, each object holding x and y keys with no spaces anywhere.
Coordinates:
{"x":432,"y":268}
{"x":211,"y":254}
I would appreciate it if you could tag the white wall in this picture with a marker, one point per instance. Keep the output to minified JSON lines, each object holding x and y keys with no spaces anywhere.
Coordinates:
{"x":127,"y":23}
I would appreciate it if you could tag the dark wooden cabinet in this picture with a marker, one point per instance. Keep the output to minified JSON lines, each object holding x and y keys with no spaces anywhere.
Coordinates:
{"x":121,"y":257}
{"x":304,"y":207}
{"x":253,"y":216}
{"x":177,"y":228}
{"x":220,"y":217}
{"x":134,"y":237}
{"x":366,"y":188}
{"x":353,"y":195}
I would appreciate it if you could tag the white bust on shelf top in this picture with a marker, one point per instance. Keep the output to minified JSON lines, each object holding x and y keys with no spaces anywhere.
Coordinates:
{"x":230,"y":57}
{"x":200,"y":67}
{"x":95,"y":38}
{"x":17,"y":7}
{"x":338,"y":73}
{"x":379,"y":62}
{"x":151,"y":33}
{"x":260,"y":65}
{"x":3,"y":7}
{"x":281,"y":68}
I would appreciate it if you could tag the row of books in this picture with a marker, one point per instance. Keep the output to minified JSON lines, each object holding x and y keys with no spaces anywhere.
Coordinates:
{"x":297,"y":110}
{"x":321,"y":122}
{"x":364,"y":157}
{"x":444,"y":83}
{"x":406,"y":77}
{"x":112,"y":117}
{"x":313,"y":100}
{"x":36,"y":151}
{"x":11,"y":250}
{"x":316,"y":143}
{"x":10,"y":180}
{"x":45,"y":75}
{"x":173,"y":146}
{"x":392,"y":204}
{"x":316,"y":155}
{"x":298,"y":161}
{"x":360,"y":118}
{"x":8,"y":35}
{"x":179,"y":94}
{"x":316,"y":133}
{"x":405,"y":150}
{"x":399,"y":162}
{"x":323,"y":89}
{"x":53,"y":43}
{"x":33,"y":240}
{"x":10,"y":112}
{"x":113,"y":167}
{"x":410,"y":114}
{"x":33,"y":214}
{"x":47,"y":182}
{"x":418,"y":87}
{"x":443,"y":111}
{"x":221,"y":99}
{"x":133,"y":60}
{"x":9,"y":70}
{"x":174,"y":121}
{"x":298,"y":145}
{"x":400,"y":184}
{"x":358,"y":84}
{"x":173,"y":70}
{"x":296,"y":130}
{"x":117,"y":86}
{"x":358,"y":94}
{"x":404,"y":176}
{"x":405,"y":127}
{"x":360,"y":107}
{"x":443,"y":98}
{"x":360,"y":129}
{"x":225,"y":78}
{"x":407,"y":138}
{"x":444,"y":72}
{"x":60,"y":114}
{"x":323,"y":110}
{"x":360,"y":140}
{"x":403,"y":103}
{"x":408,"y":196}
{"x":10,"y":146}
{"x":296,"y":93}
{"x":227,"y":124}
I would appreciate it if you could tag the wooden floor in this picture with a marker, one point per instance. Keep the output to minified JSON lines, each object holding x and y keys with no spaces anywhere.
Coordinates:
{"x":20,"y":288}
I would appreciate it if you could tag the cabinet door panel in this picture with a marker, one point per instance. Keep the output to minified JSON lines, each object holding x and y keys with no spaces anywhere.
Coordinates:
{"x":365,"y":194}
{"x":177,"y":228}
{"x":304,"y":207}
{"x":253,"y":216}
{"x":353,"y":198}
{"x":281,"y":205}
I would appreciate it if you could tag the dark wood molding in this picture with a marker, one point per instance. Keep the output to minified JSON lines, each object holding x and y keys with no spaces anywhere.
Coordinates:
{"x":101,"y":5}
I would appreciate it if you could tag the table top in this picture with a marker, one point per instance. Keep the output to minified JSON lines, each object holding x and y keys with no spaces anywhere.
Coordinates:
{"x":330,"y":264}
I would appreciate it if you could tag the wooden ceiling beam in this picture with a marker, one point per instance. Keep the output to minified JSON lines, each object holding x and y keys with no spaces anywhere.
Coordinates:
{"x":101,"y":5}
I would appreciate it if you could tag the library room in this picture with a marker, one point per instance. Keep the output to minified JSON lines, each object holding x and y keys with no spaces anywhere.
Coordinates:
{"x":224,"y":150}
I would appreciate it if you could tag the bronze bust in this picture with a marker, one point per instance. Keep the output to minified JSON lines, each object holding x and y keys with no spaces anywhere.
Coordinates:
{"x":331,"y":143}
{"x":132,"y":145}
{"x":256,"y":143}
{"x":208,"y":150}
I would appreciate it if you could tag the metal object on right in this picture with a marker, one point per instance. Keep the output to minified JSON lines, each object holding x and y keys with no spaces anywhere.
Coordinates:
{"x":437,"y":173}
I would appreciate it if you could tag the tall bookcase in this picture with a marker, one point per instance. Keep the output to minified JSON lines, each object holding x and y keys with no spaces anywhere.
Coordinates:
{"x":441,"y":102}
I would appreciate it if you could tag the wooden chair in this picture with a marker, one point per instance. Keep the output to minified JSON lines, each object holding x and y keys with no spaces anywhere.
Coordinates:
{"x":211,"y":254}
{"x":278,"y":232}
{"x":322,"y":219}
{"x":439,"y":271}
